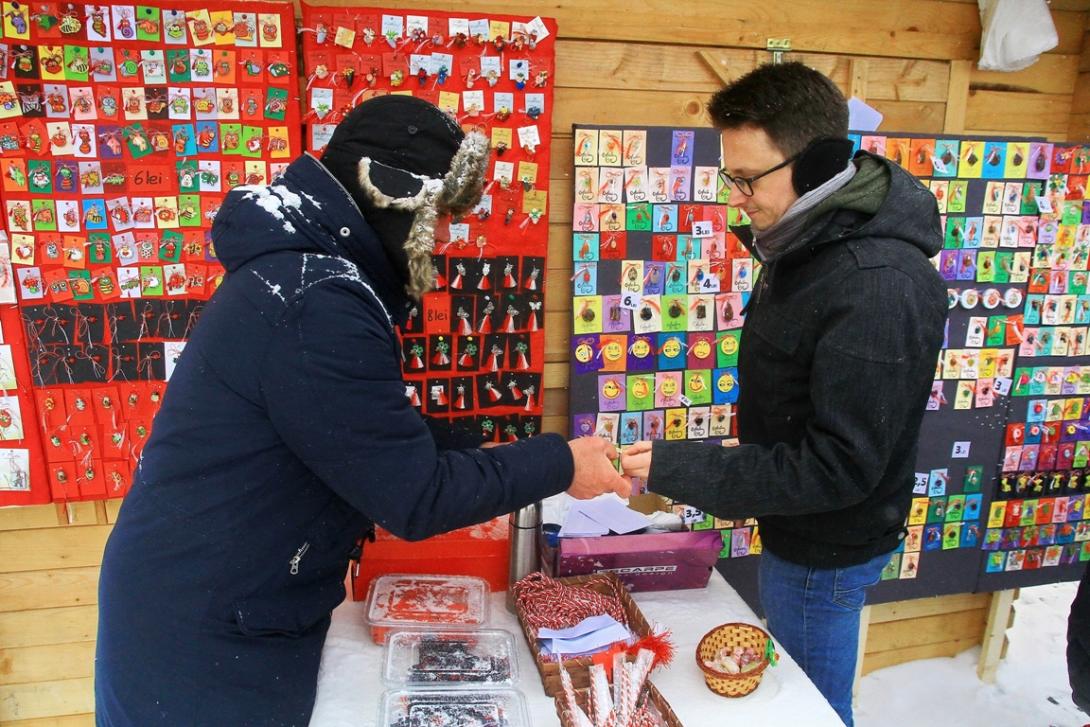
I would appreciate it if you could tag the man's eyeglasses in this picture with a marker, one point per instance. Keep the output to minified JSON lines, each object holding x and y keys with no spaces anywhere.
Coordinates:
{"x":745,"y":184}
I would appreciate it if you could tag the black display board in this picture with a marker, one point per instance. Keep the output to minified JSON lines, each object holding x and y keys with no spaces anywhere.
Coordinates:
{"x":1014,"y":246}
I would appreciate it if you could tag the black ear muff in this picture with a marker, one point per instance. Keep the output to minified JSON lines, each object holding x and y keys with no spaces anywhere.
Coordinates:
{"x":819,"y":162}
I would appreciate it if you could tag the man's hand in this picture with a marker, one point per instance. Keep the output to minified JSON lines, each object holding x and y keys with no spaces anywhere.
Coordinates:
{"x":490,"y":445}
{"x":636,"y":460}
{"x":594,"y":471}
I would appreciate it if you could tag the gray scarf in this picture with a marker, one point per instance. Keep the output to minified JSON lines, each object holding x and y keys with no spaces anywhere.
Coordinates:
{"x":776,"y":238}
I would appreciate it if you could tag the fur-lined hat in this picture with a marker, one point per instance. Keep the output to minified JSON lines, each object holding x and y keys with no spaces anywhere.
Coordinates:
{"x":404,"y":154}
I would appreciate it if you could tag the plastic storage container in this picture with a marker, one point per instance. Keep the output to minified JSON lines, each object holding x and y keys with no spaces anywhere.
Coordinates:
{"x":451,"y":659}
{"x":399,"y":602}
{"x":454,"y":707}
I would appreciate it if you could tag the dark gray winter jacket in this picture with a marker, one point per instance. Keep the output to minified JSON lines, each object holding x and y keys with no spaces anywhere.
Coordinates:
{"x":837,"y":359}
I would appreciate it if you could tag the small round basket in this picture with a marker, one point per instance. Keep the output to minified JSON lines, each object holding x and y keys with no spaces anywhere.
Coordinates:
{"x":731,"y":635}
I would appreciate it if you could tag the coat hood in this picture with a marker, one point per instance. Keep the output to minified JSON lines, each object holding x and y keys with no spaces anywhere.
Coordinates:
{"x":305,"y":211}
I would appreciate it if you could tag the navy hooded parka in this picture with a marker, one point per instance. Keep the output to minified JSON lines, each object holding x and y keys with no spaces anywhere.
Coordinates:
{"x":284,"y":434}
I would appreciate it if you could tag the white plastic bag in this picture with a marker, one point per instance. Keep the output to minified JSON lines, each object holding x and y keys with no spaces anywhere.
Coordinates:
{"x":1015,"y":33}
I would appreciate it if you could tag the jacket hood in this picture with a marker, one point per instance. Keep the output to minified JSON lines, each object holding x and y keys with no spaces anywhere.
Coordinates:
{"x":909,"y":212}
{"x":305,"y":211}
{"x":881,"y":200}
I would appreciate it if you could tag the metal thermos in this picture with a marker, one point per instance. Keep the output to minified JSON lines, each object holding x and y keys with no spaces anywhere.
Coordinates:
{"x":523,"y":531}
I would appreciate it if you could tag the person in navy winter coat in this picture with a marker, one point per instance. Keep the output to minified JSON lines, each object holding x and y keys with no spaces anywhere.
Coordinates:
{"x":286,"y":433}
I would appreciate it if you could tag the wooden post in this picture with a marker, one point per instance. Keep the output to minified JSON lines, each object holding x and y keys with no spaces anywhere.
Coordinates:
{"x":957,"y":97}
{"x":857,"y":73}
{"x":1000,"y":618}
{"x":864,"y":627}
{"x":718,"y":66}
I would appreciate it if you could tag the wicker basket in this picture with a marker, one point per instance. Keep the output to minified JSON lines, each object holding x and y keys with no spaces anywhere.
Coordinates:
{"x":578,"y":668}
{"x":731,"y":635}
{"x":650,"y":694}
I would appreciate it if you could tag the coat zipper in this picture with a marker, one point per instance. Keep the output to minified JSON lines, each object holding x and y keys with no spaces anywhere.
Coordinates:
{"x":298,"y":558}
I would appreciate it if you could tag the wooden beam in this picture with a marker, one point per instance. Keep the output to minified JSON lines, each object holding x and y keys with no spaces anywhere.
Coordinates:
{"x":718,"y":66}
{"x":556,"y":375}
{"x":49,"y":588}
{"x":1015,"y":111}
{"x":672,"y":68}
{"x":612,"y":106}
{"x":32,"y":664}
{"x":858,"y":73}
{"x":46,"y":699}
{"x":1051,"y":73}
{"x":32,"y":516}
{"x":556,"y":425}
{"x":898,"y":635}
{"x":113,"y":507}
{"x":932,"y":606}
{"x":1079,"y":130}
{"x":1000,"y":613}
{"x":44,"y":626}
{"x":68,"y":720}
{"x":77,"y":513}
{"x":1079,"y":6}
{"x":668,"y":108}
{"x":882,"y":659}
{"x":649,"y":66}
{"x":1057,"y":136}
{"x":36,"y":550}
{"x":895,"y":28}
{"x":957,"y":97}
{"x":1080,"y":100}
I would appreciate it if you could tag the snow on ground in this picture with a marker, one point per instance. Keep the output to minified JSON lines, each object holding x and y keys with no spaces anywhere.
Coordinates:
{"x":1031,"y":688}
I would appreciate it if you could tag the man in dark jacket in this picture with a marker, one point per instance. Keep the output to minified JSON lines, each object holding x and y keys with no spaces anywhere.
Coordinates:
{"x":837,"y":358}
{"x":286,"y":432}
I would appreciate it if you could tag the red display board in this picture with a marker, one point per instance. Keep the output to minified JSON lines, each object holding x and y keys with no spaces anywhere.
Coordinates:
{"x":474,"y":349}
{"x":122,"y":128}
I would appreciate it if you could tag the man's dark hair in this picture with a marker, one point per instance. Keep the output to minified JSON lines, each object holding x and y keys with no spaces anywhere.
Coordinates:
{"x":790,"y":102}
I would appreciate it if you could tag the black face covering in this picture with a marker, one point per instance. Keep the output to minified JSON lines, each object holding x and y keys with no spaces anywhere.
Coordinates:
{"x":392,"y":227}
{"x":402,"y":132}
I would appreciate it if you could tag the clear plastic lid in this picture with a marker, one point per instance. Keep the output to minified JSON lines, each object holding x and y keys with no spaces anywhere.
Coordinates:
{"x":454,"y":708}
{"x":451,"y":659}
{"x":401,"y":601}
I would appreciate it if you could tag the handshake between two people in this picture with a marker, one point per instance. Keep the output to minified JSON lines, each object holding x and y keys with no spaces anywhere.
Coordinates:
{"x":596,"y":473}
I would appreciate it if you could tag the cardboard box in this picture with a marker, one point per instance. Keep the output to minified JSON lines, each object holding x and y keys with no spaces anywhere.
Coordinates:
{"x":649,"y":562}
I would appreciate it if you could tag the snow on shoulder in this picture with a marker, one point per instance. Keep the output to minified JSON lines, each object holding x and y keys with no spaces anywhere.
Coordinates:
{"x":274,"y":199}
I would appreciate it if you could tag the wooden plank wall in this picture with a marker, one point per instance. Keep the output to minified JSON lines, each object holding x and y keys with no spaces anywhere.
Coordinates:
{"x":924,"y":628}
{"x":1079,"y":127}
{"x":49,"y":563}
{"x":617,"y":62}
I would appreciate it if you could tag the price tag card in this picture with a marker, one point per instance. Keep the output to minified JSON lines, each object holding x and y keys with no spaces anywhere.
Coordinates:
{"x":710,"y":284}
{"x":703,"y":229}
{"x":630,"y":300}
{"x":689,"y":514}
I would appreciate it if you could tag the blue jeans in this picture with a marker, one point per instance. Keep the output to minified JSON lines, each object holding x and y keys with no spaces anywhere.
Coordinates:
{"x":814,"y":613}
